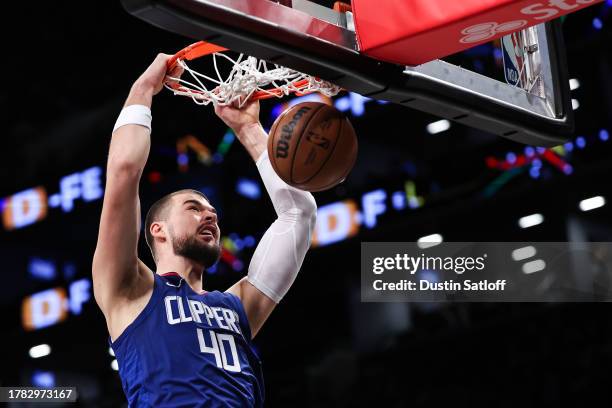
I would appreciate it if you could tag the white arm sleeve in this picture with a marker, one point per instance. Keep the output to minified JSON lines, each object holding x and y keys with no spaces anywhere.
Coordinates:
{"x":281,"y":251}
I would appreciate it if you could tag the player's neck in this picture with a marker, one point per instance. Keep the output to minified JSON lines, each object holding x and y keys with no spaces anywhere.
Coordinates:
{"x":189,"y":270}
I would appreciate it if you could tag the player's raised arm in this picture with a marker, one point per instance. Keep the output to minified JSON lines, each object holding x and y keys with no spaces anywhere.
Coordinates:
{"x":281,"y":251}
{"x":116,"y":266}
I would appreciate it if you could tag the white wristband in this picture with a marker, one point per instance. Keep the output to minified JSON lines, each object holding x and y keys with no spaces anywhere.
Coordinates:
{"x":134,"y":115}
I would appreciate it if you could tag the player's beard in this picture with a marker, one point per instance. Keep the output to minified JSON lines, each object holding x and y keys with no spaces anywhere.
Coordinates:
{"x":191,"y":247}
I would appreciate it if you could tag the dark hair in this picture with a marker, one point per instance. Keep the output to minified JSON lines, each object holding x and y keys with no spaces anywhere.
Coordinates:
{"x":159,"y":212}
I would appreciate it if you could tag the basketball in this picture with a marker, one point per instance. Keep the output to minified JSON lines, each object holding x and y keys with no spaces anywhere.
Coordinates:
{"x":312,"y":146}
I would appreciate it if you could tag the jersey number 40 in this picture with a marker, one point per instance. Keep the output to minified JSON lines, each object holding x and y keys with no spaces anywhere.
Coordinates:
{"x":219,"y":346}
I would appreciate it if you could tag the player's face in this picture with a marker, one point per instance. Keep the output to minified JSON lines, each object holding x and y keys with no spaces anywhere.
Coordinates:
{"x":194,"y":230}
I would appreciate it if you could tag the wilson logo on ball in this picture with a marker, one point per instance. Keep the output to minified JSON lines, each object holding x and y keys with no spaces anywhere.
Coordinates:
{"x":282,"y":147}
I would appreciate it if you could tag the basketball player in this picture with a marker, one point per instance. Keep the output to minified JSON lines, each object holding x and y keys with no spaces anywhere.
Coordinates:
{"x":176,"y":344}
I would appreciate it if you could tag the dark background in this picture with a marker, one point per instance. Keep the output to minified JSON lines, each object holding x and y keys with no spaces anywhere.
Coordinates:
{"x":67,"y":69}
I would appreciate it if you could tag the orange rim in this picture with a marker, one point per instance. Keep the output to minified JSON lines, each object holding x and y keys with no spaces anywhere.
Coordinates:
{"x":202,"y":49}
{"x":193,"y":51}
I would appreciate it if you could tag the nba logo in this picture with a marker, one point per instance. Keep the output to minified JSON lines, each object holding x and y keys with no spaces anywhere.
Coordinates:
{"x":318,"y":140}
{"x":514,"y":63}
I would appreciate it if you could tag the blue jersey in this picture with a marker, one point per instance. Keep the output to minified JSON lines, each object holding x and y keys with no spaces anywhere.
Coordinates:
{"x":187,"y":349}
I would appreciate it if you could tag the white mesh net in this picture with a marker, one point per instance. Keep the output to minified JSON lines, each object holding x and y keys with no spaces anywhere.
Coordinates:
{"x":248,"y":77}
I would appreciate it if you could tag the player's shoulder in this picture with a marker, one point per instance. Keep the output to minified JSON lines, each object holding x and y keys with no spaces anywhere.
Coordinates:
{"x":145,"y":278}
{"x":224,"y":299}
{"x":223,"y":296}
{"x":131,"y":302}
{"x":236,"y":288}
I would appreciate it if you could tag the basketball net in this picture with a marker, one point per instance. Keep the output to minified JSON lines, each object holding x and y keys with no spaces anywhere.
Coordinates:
{"x":248,"y":79}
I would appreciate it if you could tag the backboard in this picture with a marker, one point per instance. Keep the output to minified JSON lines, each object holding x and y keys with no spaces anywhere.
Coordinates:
{"x":310,"y":38}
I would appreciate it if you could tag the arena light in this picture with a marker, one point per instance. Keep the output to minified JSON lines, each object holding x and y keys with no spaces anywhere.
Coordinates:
{"x":520,"y":254}
{"x":597,"y":23}
{"x":43,"y":379}
{"x":534,"y":266}
{"x":115,"y":365}
{"x":575,"y":104}
{"x":42,"y":269}
{"x":574,"y":84}
{"x":530,"y":220}
{"x":438,"y":127}
{"x":40,"y":351}
{"x":592,"y":203}
{"x":398,"y":199}
{"x":248,"y":188}
{"x":429,"y":241}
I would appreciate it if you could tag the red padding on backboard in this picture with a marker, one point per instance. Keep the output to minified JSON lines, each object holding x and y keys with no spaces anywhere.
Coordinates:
{"x":412,"y":32}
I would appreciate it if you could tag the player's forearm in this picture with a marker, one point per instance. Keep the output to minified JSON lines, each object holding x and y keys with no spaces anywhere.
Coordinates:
{"x":280,"y":253}
{"x":140,"y":94}
{"x":130,"y":144}
{"x":288,"y":201}
{"x":254,"y":139}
